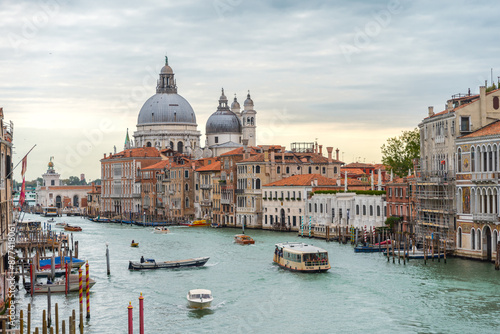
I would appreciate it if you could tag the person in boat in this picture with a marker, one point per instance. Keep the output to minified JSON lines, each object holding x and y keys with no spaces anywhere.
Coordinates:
{"x":142,"y":259}
{"x":133,"y":241}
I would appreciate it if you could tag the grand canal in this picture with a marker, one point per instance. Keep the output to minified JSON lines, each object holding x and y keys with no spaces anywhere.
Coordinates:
{"x":361,"y":293}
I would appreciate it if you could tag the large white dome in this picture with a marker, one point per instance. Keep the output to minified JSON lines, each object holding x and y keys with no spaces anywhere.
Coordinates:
{"x":164,"y":108}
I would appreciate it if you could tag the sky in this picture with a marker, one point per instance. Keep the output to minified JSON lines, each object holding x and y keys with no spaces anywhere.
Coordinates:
{"x":347,"y":74}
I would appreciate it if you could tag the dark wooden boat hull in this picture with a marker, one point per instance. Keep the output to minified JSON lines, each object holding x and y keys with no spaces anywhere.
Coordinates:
{"x":195,"y":262}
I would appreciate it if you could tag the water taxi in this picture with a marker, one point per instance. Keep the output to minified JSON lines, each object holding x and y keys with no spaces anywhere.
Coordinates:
{"x":243,"y":239}
{"x":161,"y":229}
{"x":50,"y":212}
{"x":198,"y":223}
{"x":72,"y":228}
{"x":199,"y":298}
{"x":296,"y":256}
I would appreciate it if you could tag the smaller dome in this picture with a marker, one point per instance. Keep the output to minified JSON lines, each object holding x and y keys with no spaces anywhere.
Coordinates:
{"x":51,"y":164}
{"x":166,"y":70}
{"x":248,"y":102}
{"x":235,"y":104}
{"x":223,"y":122}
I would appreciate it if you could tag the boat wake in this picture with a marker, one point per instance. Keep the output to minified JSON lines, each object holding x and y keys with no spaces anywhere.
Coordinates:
{"x":211,"y":264}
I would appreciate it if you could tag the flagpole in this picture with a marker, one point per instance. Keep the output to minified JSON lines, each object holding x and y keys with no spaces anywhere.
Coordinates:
{"x":12,"y":171}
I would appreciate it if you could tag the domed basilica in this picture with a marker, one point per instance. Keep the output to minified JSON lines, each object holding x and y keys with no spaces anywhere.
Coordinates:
{"x":167,"y":120}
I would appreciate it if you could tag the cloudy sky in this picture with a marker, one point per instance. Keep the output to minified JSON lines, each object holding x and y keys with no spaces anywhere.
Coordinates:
{"x":74,"y":74}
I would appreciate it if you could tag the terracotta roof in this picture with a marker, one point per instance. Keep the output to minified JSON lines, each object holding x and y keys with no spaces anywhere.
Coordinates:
{"x":158,"y":165}
{"x":474,"y":98}
{"x":290,"y":157}
{"x":140,"y":152}
{"x":488,"y":130}
{"x":68,"y":187}
{"x":240,"y":150}
{"x":352,"y":171}
{"x":358,"y":165}
{"x":209,"y":168}
{"x":303,"y":180}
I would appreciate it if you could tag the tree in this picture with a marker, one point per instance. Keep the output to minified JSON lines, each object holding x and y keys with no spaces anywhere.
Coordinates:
{"x":399,"y":152}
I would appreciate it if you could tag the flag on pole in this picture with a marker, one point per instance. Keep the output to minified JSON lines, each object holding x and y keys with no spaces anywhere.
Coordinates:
{"x":22,"y":196}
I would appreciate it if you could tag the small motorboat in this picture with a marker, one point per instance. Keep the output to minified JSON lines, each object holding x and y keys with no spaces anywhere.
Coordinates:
{"x":198,"y":223}
{"x":72,"y":228}
{"x":161,"y":229}
{"x":59,"y":286}
{"x":152,"y":264}
{"x":215,"y":225}
{"x":51,"y":220}
{"x":243,"y":239}
{"x":61,"y":224}
{"x":199,"y":298}
{"x":134,"y":244}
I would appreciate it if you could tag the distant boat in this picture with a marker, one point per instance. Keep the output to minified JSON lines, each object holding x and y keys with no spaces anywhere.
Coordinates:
{"x":197,"y":223}
{"x":243,"y":239}
{"x":59,"y":286}
{"x":45,"y":264}
{"x":152,"y":264}
{"x":199,"y":298}
{"x":72,"y":228}
{"x":134,"y":244}
{"x":161,"y":229}
{"x":215,"y":225}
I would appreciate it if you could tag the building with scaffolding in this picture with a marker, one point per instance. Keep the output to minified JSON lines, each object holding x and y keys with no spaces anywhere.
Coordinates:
{"x":436,"y":171}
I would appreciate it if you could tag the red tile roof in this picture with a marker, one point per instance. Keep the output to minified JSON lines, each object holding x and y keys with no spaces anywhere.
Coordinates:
{"x":158,"y":165}
{"x":140,"y":152}
{"x":488,"y":130}
{"x":213,"y":167}
{"x":303,"y":180}
{"x":240,"y":151}
{"x":358,"y":165}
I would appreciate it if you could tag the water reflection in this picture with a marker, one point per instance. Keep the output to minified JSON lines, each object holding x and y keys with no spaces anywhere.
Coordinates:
{"x":198,"y":314}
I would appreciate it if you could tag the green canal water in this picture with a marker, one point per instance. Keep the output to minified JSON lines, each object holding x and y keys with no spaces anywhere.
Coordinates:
{"x":361,"y":293}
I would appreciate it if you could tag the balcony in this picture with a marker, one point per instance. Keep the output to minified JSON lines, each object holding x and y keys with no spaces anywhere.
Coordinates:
{"x":240,"y":191}
{"x":206,"y":203}
{"x":485,"y":217}
{"x":225,"y":201}
{"x":205,"y":186}
{"x":485,"y":177}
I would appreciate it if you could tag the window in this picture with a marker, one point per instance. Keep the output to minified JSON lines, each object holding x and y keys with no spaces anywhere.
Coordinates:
{"x":459,"y":238}
{"x":315,"y":207}
{"x":357,"y":209}
{"x":496,"y":103}
{"x":324,"y":170}
{"x":257,"y":169}
{"x":187,"y":202}
{"x":459,"y":160}
{"x":310,"y":170}
{"x":186,"y":187}
{"x":378,"y":210}
{"x":333,"y":212}
{"x":216,"y":139}
{"x":294,"y":220}
{"x":278,"y":169}
{"x":52,"y":182}
{"x":321,"y":208}
{"x":257,"y":184}
{"x":464,"y":124}
{"x":310,"y":207}
{"x":335,"y":170}
{"x":472,"y":239}
{"x":364,"y":210}
{"x":265,"y":219}
{"x":371,"y":210}
{"x":479,"y":241}
{"x":288,"y":172}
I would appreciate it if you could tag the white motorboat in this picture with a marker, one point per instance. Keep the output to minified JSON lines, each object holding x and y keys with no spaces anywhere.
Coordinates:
{"x":199,"y":298}
{"x":161,"y":229}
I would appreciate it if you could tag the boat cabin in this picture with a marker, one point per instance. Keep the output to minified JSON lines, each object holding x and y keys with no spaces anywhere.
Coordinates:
{"x":302,"y":257}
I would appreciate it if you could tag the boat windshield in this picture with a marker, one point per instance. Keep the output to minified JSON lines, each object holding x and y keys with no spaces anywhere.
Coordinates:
{"x":205,"y":295}
{"x":196,"y":296}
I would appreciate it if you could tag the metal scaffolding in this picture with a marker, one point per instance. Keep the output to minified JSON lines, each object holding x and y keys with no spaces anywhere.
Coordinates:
{"x":435,"y":194}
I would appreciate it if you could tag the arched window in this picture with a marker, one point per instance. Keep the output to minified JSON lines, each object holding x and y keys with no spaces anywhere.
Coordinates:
{"x":321,"y":208}
{"x":278,"y":169}
{"x":187,"y":202}
{"x":371,"y":210}
{"x":310,"y":170}
{"x":257,"y":184}
{"x":310,"y":207}
{"x":288,"y":170}
{"x":257,"y":169}
{"x":180,"y":147}
{"x":324,"y":170}
{"x":472,"y":239}
{"x":75,"y":201}
{"x":172,"y":145}
{"x":315,"y":207}
{"x":472,"y":159}
{"x":479,"y":241}
{"x":186,"y":187}
{"x":459,"y":160}
{"x":459,"y":237}
{"x":364,"y":210}
{"x":335,"y":170}
{"x":148,"y":144}
{"x":378,"y":210}
{"x":357,"y":209}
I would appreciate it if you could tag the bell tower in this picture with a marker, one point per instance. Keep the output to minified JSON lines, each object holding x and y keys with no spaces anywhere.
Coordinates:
{"x":248,"y":121}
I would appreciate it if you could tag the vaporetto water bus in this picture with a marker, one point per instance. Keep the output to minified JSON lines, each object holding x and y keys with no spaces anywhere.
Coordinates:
{"x":296,"y":256}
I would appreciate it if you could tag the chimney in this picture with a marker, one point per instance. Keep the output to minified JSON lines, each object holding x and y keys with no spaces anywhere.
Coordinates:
{"x":482,"y":106}
{"x":450,"y":105}
{"x":330,"y":150}
{"x":104,"y":155}
{"x":282,"y":154}
{"x":431,"y":111}
{"x":337,"y":154}
{"x":246,"y":155}
{"x":321,"y":149}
